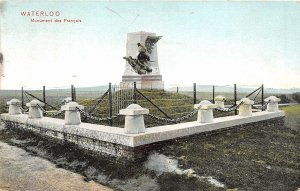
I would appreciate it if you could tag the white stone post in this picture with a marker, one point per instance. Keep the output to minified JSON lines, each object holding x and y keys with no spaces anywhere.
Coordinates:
{"x":14,"y":107}
{"x":205,"y":111}
{"x":72,"y":115}
{"x":34,"y":109}
{"x":245,"y":109}
{"x":219,"y":101}
{"x":134,"y":119}
{"x":273,"y":103}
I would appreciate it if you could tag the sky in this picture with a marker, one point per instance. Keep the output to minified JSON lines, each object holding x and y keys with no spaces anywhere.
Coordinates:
{"x":219,"y":43}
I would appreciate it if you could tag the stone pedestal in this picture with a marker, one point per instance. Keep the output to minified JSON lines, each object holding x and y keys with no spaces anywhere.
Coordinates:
{"x":273,"y":103}
{"x":219,"y":101}
{"x":151,"y":80}
{"x":205,"y":111}
{"x":134,"y":119}
{"x":245,"y":108}
{"x":72,"y":115}
{"x":34,"y":109}
{"x":14,"y":107}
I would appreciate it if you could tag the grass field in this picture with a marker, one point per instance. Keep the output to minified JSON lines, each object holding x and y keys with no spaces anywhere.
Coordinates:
{"x":292,"y":119}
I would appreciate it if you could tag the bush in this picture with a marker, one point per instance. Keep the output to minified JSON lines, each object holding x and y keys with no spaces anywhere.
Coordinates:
{"x":284,"y":98}
{"x":296,"y":97}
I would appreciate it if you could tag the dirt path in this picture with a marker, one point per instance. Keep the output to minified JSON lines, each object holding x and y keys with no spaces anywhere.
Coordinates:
{"x":21,"y":171}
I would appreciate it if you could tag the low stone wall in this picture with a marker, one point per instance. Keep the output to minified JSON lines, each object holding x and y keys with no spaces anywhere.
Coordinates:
{"x":114,"y":141}
{"x":55,"y":128}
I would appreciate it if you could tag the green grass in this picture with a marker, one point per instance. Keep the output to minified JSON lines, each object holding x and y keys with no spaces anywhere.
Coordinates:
{"x":173,"y":104}
{"x":292,"y":110}
{"x":292,"y":116}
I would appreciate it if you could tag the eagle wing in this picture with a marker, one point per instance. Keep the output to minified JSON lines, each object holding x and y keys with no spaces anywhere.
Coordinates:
{"x":150,"y":42}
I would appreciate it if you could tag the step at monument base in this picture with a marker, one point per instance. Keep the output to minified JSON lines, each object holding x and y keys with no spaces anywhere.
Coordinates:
{"x":144,"y":81}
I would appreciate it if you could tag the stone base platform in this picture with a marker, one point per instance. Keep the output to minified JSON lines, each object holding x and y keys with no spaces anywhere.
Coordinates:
{"x":113,"y":140}
{"x":144,"y":81}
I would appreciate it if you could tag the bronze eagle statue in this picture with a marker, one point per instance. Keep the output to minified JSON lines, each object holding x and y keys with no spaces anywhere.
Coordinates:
{"x":140,"y":64}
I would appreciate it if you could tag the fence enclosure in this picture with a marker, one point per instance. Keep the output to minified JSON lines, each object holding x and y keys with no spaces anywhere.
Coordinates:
{"x":102,"y":105}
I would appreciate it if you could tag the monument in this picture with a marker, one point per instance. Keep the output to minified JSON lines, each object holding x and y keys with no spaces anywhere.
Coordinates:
{"x":142,"y":61}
